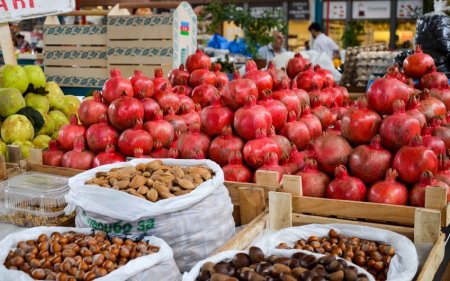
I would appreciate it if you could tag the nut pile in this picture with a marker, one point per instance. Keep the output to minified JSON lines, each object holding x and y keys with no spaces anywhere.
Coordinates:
{"x":256,"y":267}
{"x":71,"y":256}
{"x":373,"y":256}
{"x":153,"y":181}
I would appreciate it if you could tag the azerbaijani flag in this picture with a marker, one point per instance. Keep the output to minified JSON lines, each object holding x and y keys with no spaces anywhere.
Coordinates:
{"x":184,"y":28}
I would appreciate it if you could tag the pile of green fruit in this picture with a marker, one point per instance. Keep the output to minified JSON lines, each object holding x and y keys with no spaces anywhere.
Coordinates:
{"x":31,"y":110}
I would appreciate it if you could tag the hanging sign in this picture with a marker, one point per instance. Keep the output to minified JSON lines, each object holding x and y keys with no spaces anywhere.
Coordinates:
{"x":298,"y":10}
{"x":371,"y":9}
{"x":338,"y":10}
{"x":258,"y":9}
{"x":406,"y":9}
{"x":15,"y":10}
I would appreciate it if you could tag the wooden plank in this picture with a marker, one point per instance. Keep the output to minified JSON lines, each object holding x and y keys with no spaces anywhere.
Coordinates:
{"x":427,"y":226}
{"x":436,"y":198}
{"x":353,"y":209}
{"x":14,"y":153}
{"x":75,"y":35}
{"x":280,"y":210}
{"x":267,"y":178}
{"x":75,"y":56}
{"x":300,"y":219}
{"x":292,"y":184}
{"x":3,"y":171}
{"x":446,"y":214}
{"x":65,"y":172}
{"x":6,"y":45}
{"x":246,"y":236}
{"x":82,"y":72}
{"x":252,"y":202}
{"x":35,"y":156}
{"x":237,"y":214}
{"x":140,"y":27}
{"x":154,"y":60}
{"x":168,"y":43}
{"x":433,"y":261}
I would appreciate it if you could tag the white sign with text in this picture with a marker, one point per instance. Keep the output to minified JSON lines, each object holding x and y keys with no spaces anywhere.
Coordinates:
{"x":15,"y":10}
{"x":338,"y":10}
{"x":371,"y":9}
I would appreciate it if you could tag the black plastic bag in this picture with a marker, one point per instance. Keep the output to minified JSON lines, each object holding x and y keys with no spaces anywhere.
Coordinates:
{"x":433,"y":32}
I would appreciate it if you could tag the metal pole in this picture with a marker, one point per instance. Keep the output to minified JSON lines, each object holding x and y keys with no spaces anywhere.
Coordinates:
{"x":393,"y":24}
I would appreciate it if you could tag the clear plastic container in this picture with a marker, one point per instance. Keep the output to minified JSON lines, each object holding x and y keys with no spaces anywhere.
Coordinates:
{"x":35,"y":199}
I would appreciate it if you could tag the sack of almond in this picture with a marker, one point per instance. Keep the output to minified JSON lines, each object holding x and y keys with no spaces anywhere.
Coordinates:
{"x":182,"y":201}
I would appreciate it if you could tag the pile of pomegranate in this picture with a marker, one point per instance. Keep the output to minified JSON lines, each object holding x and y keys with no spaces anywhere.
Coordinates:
{"x":386,"y":147}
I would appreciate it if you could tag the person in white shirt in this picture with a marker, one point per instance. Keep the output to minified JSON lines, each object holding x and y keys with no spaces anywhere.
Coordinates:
{"x":273,"y":49}
{"x":322,"y":43}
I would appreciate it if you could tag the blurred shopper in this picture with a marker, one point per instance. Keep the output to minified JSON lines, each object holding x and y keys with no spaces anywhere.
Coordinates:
{"x":21,"y":43}
{"x":322,"y":43}
{"x":273,"y":49}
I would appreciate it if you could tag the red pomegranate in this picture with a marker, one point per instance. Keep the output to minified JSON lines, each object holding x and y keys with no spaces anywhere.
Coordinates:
{"x":295,"y":161}
{"x":335,"y":129}
{"x":183,"y":89}
{"x":116,"y":87}
{"x":344,"y":94}
{"x":309,"y":79}
{"x":436,"y":144}
{"x":444,"y":96}
{"x":173,"y":153}
{"x":271,"y":164}
{"x":197,"y":61}
{"x":158,"y":150}
{"x":384,"y":91}
{"x":278,"y":75}
{"x":68,"y":133}
{"x":296,"y":131}
{"x":251,"y":117}
{"x":388,"y":191}
{"x":443,"y":132}
{"x":398,"y":129}
{"x":235,"y":170}
{"x":338,"y":111}
{"x":185,"y":100}
{"x":160,"y":130}
{"x":190,"y":116}
{"x":321,"y":112}
{"x":167,"y":99}
{"x":139,"y":153}
{"x":283,"y":143}
{"x":288,"y":98}
{"x":192,"y":143}
{"x":99,"y":136}
{"x":133,"y":138}
{"x":325,"y":98}
{"x":418,"y":64}
{"x":177,"y":122}
{"x":221,"y":77}
{"x":331,"y":151}
{"x":413,"y":110}
{"x":52,"y":155}
{"x":360,"y":124}
{"x":295,"y":65}
{"x":370,"y":162}
{"x":312,"y":122}
{"x":178,"y":76}
{"x":159,"y":81}
{"x":150,"y":108}
{"x":314,"y":182}
{"x":202,"y":76}
{"x":327,"y":76}
{"x":345,"y":187}
{"x":90,"y":111}
{"x":78,"y":158}
{"x":276,"y":108}
{"x":434,"y":79}
{"x":237,"y":91}
{"x":430,"y":106}
{"x":203,"y":94}
{"x":123,"y":112}
{"x":443,"y":173}
{"x":262,"y":79}
{"x":417,"y":195}
{"x":411,"y":161}
{"x":215,"y":117}
{"x":142,"y":85}
{"x":302,"y":95}
{"x":395,"y":73}
{"x":334,"y":94}
{"x":255,"y":149}
{"x":223,"y":145}
{"x":110,"y":156}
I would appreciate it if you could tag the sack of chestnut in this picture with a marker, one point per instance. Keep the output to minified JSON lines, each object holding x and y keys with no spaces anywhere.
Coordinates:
{"x":182,"y":201}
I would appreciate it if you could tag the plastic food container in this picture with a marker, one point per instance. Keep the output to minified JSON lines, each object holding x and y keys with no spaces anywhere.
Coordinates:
{"x":35,"y":199}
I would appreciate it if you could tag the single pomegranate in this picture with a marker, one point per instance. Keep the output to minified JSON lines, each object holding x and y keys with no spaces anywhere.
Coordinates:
{"x":278,"y":75}
{"x":167,"y":99}
{"x":325,"y":98}
{"x":388,"y":191}
{"x":436,"y":144}
{"x":413,"y":110}
{"x":190,"y":116}
{"x":235,"y":170}
{"x":91,"y":110}
{"x":150,"y":108}
{"x":192,"y":142}
{"x":302,"y":95}
{"x":321,"y":112}
{"x":444,"y":96}
{"x":223,"y":145}
{"x":197,"y":61}
{"x":335,"y":129}
{"x":68,"y":133}
{"x":160,"y":130}
{"x":327,"y":76}
{"x":334,"y":94}
{"x":411,"y":161}
{"x":78,"y":158}
{"x":418,"y":64}
{"x":384,"y":91}
{"x":394,"y":72}
{"x":360,"y":124}
{"x":430,"y":106}
{"x":337,"y":111}
{"x":202,"y":76}
{"x":251,"y":117}
{"x":159,"y":81}
{"x":331,"y":151}
{"x":398,"y":129}
{"x":123,"y":112}
{"x":142,"y":85}
{"x":370,"y":162}
{"x":221,"y":77}
{"x":427,"y":180}
{"x":135,"y":138}
{"x":237,"y":91}
{"x":296,"y":131}
{"x":296,"y":65}
{"x":203,"y":94}
{"x":312,"y":122}
{"x":443,"y":173}
{"x":110,"y":156}
{"x":116,"y":87}
{"x":262,"y":79}
{"x":215,"y":117}
{"x":52,"y":155}
{"x":185,"y":100}
{"x":309,"y":79}
{"x":344,"y":93}
{"x":345,"y":187}
{"x":178,"y":76}
{"x":177,"y":122}
{"x":442,"y":132}
{"x":183,"y":89}
{"x":139,"y":153}
{"x":314,"y":182}
{"x":99,"y":136}
{"x":276,"y":108}
{"x":255,"y":149}
{"x":271,"y":164}
{"x":283,"y":143}
{"x":288,"y":98}
{"x":434,"y":79}
{"x":158,"y":150}
{"x":296,"y":160}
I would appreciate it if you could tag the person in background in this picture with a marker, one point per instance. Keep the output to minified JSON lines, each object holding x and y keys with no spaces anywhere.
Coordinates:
{"x":322,"y":43}
{"x":21,"y":43}
{"x":273,"y":49}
